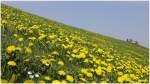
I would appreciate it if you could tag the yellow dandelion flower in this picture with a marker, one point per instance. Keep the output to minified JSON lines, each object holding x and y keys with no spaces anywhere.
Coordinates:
{"x":61,"y":63}
{"x":133,"y":76}
{"x":42,"y":36}
{"x":15,"y":35}
{"x":61,"y":72}
{"x":55,"y":53}
{"x":83,"y":79}
{"x":10,"y":49}
{"x":81,"y":55}
{"x":45,"y":61}
{"x":32,"y":38}
{"x":123,"y":78}
{"x":98,"y":70}
{"x":55,"y":82}
{"x":120,"y":73}
{"x":109,"y":68}
{"x":64,"y":82}
{"x":47,"y":78}
{"x":89,"y":74}
{"x":11,"y":63}
{"x":83,"y":70}
{"x":20,"y":39}
{"x":70,"y":78}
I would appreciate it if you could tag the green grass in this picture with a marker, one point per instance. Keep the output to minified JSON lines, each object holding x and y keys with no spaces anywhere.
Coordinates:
{"x":121,"y":53}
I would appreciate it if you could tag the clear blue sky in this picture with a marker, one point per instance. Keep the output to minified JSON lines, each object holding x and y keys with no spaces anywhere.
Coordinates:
{"x":116,"y":19}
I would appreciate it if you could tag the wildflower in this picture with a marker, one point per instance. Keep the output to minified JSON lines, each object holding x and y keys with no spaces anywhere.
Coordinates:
{"x":28,"y":50}
{"x":133,"y":76}
{"x":15,"y":35}
{"x":32,"y":38}
{"x":83,"y":79}
{"x":42,"y":36}
{"x":89,"y":74}
{"x":11,"y":48}
{"x":61,"y":72}
{"x":109,"y":68}
{"x":119,"y":73}
{"x":123,"y":78}
{"x":28,"y":81}
{"x":29,"y":72}
{"x":98,"y":71}
{"x":47,"y":78}
{"x":63,"y":81}
{"x":36,"y":75}
{"x":20,"y":39}
{"x":61,"y":63}
{"x":31,"y":76}
{"x":11,"y":63}
{"x":70,"y":78}
{"x":75,"y":51}
{"x":45,"y":62}
{"x":55,"y":82}
{"x":27,"y":60}
{"x":83,"y":70}
{"x":55,"y":53}
{"x":82,"y":55}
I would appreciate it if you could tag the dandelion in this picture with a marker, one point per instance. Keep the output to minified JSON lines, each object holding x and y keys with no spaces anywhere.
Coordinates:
{"x":98,"y":71}
{"x":55,"y":82}
{"x":63,"y":81}
{"x":42,"y":36}
{"x":20,"y":39}
{"x":119,"y":73}
{"x":10,"y":49}
{"x":70,"y":78}
{"x":83,"y":79}
{"x":61,"y":72}
{"x":45,"y":62}
{"x":47,"y":78}
{"x":61,"y":63}
{"x":12,"y":63}
{"x":32,"y":38}
{"x":109,"y":68}
{"x":83,"y":70}
{"x":15,"y":35}
{"x":89,"y":74}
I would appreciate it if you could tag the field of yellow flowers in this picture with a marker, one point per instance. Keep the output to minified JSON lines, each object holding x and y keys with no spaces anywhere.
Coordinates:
{"x":38,"y":50}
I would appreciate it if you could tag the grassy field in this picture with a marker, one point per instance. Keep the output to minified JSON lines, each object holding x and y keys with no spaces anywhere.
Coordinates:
{"x":35,"y":49}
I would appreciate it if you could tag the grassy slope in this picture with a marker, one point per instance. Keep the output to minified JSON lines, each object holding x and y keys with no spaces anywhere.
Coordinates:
{"x":121,"y":48}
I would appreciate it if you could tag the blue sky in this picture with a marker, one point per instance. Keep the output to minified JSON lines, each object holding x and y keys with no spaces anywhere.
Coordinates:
{"x":116,"y":19}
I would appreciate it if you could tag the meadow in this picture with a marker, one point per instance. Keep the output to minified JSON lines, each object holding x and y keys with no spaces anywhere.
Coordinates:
{"x":39,"y":50}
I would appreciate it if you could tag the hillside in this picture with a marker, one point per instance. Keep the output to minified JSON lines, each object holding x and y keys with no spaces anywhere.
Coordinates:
{"x":35,"y":49}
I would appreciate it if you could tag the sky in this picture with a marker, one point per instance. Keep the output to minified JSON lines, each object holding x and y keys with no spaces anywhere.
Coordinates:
{"x":121,"y":20}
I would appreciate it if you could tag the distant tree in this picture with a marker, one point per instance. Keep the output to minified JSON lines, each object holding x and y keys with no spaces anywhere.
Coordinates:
{"x":127,"y":40}
{"x":136,"y":42}
{"x":130,"y":41}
